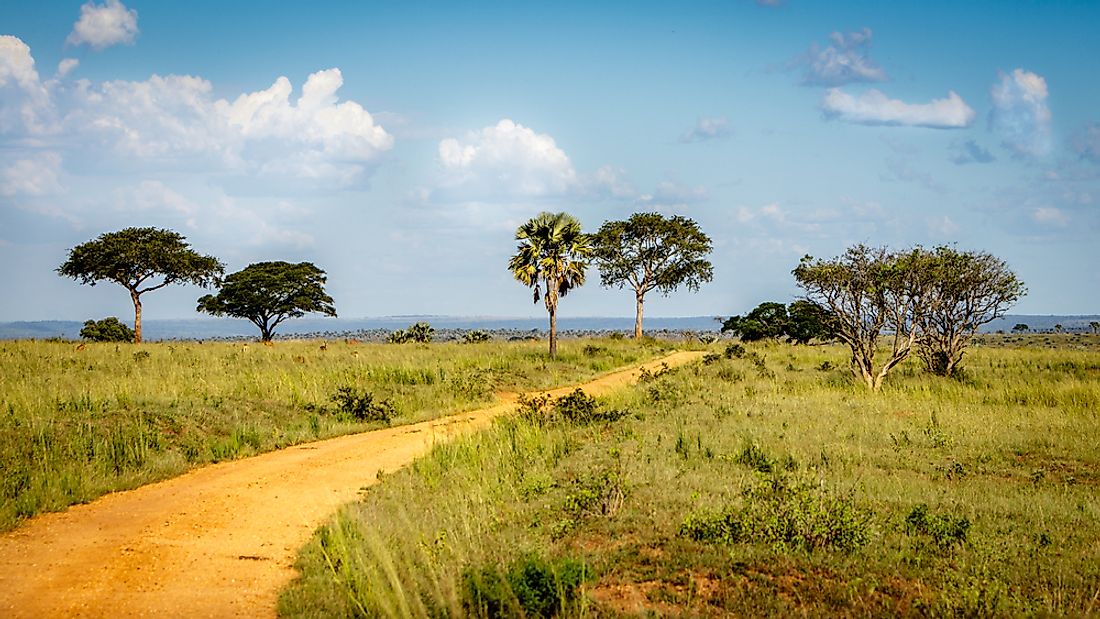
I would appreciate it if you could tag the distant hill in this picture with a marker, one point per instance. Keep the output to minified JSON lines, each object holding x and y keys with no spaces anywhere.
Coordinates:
{"x":213,"y":328}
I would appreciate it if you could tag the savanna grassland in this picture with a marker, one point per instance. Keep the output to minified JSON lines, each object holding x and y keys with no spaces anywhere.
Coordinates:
{"x":762,"y":480}
{"x":77,"y":421}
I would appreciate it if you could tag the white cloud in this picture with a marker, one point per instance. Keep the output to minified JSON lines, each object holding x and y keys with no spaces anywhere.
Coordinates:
{"x":1049,"y":215}
{"x":67,"y":66}
{"x":36,"y":175}
{"x":102,"y":25}
{"x":506,"y":160}
{"x":1020,"y":113}
{"x":875,"y":108}
{"x":708,"y":129}
{"x":24,"y":101}
{"x":843,"y":61}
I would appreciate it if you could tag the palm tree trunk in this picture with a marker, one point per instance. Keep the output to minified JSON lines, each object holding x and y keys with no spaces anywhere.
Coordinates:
{"x":136,"y":298}
{"x":553,"y":331}
{"x":638,"y":317}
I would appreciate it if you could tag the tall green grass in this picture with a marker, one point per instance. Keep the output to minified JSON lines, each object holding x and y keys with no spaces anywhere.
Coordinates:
{"x":79,"y":421}
{"x":774,"y":487}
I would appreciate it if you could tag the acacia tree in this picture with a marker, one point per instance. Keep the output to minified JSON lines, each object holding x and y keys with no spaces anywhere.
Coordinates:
{"x":267,"y":293}
{"x":135,"y":258}
{"x":868,"y":292}
{"x":1094,"y":326}
{"x":966,"y":290}
{"x":651,"y":252}
{"x":552,"y":251}
{"x":766,"y":321}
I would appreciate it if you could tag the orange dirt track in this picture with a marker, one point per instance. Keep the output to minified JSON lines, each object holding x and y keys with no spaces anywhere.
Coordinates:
{"x":219,"y":541}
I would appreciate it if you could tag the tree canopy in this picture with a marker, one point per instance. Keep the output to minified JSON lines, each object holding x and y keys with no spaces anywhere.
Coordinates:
{"x":551,"y":259}
{"x":107,"y":330}
{"x":799,"y":323}
{"x":268,"y":293}
{"x":140,"y":260}
{"x":651,"y":252}
{"x":966,"y":290}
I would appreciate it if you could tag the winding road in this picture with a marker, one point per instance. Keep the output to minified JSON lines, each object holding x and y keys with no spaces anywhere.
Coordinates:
{"x":218,"y":541}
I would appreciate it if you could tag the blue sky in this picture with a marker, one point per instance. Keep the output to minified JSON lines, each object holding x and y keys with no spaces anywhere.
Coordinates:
{"x":398,"y":145}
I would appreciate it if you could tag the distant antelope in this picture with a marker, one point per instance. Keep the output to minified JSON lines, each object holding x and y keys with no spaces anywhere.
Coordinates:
{"x":324,"y":347}
{"x":80,"y":346}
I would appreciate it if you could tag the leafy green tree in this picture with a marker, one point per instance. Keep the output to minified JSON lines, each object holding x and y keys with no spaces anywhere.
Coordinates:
{"x":419,"y":333}
{"x":1094,"y":326}
{"x":651,"y":252}
{"x":552,"y":253}
{"x":135,"y":258}
{"x":767,"y":321}
{"x":808,"y":321}
{"x":107,"y":330}
{"x":1021,"y":328}
{"x":268,"y":293}
{"x":966,"y":290}
{"x":869,"y":292}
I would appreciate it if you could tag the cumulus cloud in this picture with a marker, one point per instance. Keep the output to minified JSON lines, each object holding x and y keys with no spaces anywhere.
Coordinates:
{"x":1086,"y":143}
{"x":35,"y":175}
{"x":1020,"y":113}
{"x":971,"y":152}
{"x":103,"y":25}
{"x":708,"y":129}
{"x":505,"y":160}
{"x":67,"y":66}
{"x":875,"y":108}
{"x":24,"y":101}
{"x":844,"y":61}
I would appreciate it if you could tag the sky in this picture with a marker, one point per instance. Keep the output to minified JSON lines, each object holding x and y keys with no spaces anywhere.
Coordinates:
{"x":398,"y":145}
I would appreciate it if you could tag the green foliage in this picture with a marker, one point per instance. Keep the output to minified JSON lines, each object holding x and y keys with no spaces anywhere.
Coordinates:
{"x":107,"y":330}
{"x":362,"y":406}
{"x":531,"y":587}
{"x":799,"y":323}
{"x":576,"y":408}
{"x":551,"y":255}
{"x":651,"y":252}
{"x":268,"y":293}
{"x":417,"y":333}
{"x":476,"y":336}
{"x":945,"y":530}
{"x":133,"y":257}
{"x":1020,"y":328}
{"x":787,"y":513}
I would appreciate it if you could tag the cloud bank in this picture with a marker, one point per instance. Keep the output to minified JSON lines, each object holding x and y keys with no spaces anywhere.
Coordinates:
{"x":844,"y":61}
{"x":875,"y":108}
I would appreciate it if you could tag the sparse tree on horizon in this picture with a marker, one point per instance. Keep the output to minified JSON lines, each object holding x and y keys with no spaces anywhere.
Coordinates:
{"x":268,"y":293}
{"x":135,"y":258}
{"x":651,"y":252}
{"x":1021,"y":328}
{"x":552,"y":253}
{"x":1094,"y":326}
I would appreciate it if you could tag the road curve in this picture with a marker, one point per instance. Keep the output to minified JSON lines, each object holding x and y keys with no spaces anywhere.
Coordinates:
{"x":219,"y":541}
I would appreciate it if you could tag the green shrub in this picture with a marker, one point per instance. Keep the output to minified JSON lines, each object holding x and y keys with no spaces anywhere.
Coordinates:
{"x":945,"y":530}
{"x":418,"y":333}
{"x":576,"y":408}
{"x":735,"y":351}
{"x":532,"y":587}
{"x":476,"y":336}
{"x":361,"y":405}
{"x":107,"y":330}
{"x":788,"y":514}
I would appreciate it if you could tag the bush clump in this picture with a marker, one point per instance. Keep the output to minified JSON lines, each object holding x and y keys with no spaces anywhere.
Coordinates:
{"x":575,"y":408}
{"x":945,"y":530}
{"x":419,"y":333}
{"x":476,"y":336}
{"x":107,"y":330}
{"x":786,"y":513}
{"x":361,"y":405}
{"x":531,"y":587}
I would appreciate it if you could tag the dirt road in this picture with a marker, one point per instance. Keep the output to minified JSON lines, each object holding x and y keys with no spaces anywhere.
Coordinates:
{"x":218,"y":541}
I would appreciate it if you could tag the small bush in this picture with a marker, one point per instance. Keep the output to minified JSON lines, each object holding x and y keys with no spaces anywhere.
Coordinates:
{"x":945,"y":530}
{"x":419,"y":333}
{"x":476,"y":336}
{"x":735,"y":351}
{"x":532,"y":587}
{"x":591,"y":350}
{"x":577,"y":408}
{"x":361,"y":405}
{"x":107,"y":330}
{"x":787,"y":514}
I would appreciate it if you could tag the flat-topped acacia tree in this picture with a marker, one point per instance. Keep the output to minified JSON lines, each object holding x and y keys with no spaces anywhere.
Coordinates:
{"x":267,"y":293}
{"x":140,"y":260}
{"x":651,"y":252}
{"x":552,"y":251}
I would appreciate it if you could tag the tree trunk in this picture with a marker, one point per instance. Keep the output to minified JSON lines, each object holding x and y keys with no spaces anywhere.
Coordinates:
{"x":638,"y":317}
{"x":553,"y":331}
{"x":136,"y":298}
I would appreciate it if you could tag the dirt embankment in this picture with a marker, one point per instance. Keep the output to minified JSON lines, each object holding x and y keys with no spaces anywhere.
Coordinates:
{"x":218,"y":541}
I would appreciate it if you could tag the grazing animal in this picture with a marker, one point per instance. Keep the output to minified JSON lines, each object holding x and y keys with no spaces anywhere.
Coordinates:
{"x":268,"y":343}
{"x":80,"y":346}
{"x":324,"y":347}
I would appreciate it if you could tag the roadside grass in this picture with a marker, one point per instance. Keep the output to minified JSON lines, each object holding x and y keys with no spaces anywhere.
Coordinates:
{"x":770,"y":484}
{"x":77,"y":421}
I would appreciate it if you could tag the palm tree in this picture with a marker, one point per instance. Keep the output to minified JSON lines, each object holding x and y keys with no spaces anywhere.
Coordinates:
{"x":551,"y":252}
